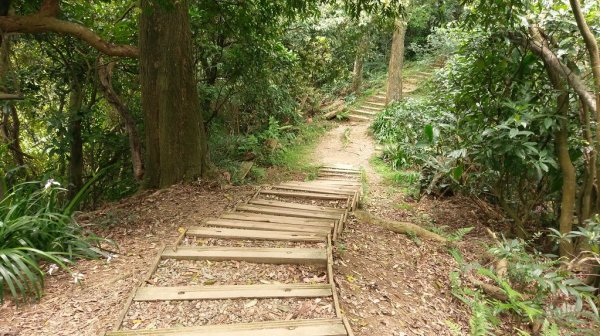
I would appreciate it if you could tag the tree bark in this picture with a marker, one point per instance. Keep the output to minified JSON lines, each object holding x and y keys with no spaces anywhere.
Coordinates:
{"x":589,"y":179}
{"x":569,"y":183}
{"x":591,"y":45}
{"x":359,"y":61}
{"x":394,"y":83}
{"x":76,"y":141}
{"x":176,"y":148}
{"x":399,"y":227}
{"x":553,"y":62}
{"x":135,"y":145}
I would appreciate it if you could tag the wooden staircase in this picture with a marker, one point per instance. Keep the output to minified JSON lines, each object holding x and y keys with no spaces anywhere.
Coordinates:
{"x":367,"y":111}
{"x":287,"y":212}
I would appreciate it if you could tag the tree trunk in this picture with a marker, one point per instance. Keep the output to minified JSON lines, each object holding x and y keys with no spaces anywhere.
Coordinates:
{"x":569,"y":184}
{"x":359,"y":61}
{"x":74,"y":131}
{"x":135,"y":145}
{"x":591,"y":45}
{"x":589,"y":178}
{"x":176,"y":148}
{"x":394,"y":83}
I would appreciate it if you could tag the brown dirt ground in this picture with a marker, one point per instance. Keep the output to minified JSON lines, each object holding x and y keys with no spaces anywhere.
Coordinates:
{"x":388,"y":283}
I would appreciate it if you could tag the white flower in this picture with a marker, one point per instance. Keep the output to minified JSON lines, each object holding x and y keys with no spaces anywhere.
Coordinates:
{"x":77,"y":277}
{"x":50,"y":183}
{"x":52,"y":268}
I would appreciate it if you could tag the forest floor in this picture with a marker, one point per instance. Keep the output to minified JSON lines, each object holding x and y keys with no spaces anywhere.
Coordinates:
{"x":389,"y":283}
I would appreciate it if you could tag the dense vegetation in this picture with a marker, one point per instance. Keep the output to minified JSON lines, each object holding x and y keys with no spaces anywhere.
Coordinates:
{"x":513,"y":125}
{"x":108,"y":97}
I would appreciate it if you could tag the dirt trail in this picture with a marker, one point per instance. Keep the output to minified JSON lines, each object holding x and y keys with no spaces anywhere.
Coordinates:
{"x":390,"y":284}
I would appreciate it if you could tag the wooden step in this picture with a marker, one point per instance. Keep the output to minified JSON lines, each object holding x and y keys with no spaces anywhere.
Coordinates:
{"x":290,"y":205}
{"x":252,"y":225}
{"x":261,"y":209}
{"x":339,"y":174}
{"x":232,"y":292}
{"x":316,"y":327}
{"x":376,"y":104}
{"x":278,"y":219}
{"x":302,"y":194}
{"x":320,"y":182}
{"x":341,"y":166}
{"x":249,"y":254}
{"x":337,"y":170}
{"x":227,"y":233}
{"x":359,"y":118}
{"x":366,"y":113}
{"x":370,"y":108}
{"x":314,"y":188}
{"x":347,"y":183}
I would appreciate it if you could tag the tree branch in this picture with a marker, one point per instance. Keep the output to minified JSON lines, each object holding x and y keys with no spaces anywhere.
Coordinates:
{"x":41,"y":23}
{"x":554,"y":63}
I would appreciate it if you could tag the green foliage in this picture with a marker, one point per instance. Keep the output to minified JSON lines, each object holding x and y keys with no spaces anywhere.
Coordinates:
{"x":535,"y":287}
{"x":455,"y":236}
{"x":33,"y":228}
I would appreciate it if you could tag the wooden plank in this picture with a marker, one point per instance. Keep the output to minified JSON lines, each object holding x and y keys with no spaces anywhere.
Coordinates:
{"x":250,"y":254}
{"x":315,"y":327}
{"x":320,"y":184}
{"x":278,"y":219}
{"x":339,"y":174}
{"x":251,"y":225}
{"x":232,"y":292}
{"x":330,"y":276}
{"x":340,"y":166}
{"x":147,"y":277}
{"x":263,"y":209}
{"x":323,"y":177}
{"x":310,"y":188}
{"x":302,"y":194}
{"x":291,"y":205}
{"x":347,"y":325}
{"x":337,"y":169}
{"x":226,"y":233}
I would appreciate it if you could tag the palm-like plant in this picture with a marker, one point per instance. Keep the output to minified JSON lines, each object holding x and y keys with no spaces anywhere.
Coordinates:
{"x":33,"y":228}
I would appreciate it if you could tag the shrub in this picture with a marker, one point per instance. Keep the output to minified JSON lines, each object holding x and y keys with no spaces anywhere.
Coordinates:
{"x":32,"y":229}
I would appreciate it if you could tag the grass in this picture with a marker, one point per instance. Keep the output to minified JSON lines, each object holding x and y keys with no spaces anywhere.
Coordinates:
{"x":405,"y":181}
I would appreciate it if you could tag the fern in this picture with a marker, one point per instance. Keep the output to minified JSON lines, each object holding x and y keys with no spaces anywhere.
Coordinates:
{"x":455,"y":329}
{"x":481,"y":319}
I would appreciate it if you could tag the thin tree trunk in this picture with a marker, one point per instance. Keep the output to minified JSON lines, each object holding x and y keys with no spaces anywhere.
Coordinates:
{"x":74,"y":131}
{"x":359,"y":61}
{"x":591,"y":45}
{"x":135,"y":145}
{"x":569,"y":184}
{"x":176,"y":148}
{"x":586,"y":201}
{"x":394,"y":83}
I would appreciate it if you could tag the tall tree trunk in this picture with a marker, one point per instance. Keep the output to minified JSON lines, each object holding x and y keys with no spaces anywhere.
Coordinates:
{"x":74,"y":131}
{"x":176,"y":146}
{"x":591,"y":45}
{"x":359,"y":61}
{"x":394,"y":83}
{"x":135,"y":145}
{"x":569,"y":183}
{"x":589,"y":179}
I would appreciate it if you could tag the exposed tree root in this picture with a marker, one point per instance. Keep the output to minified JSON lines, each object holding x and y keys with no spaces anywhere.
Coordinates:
{"x":399,"y":227}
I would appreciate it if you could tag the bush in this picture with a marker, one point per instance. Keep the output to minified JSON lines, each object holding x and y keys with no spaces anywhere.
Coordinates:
{"x":538,"y":289}
{"x":34,"y":228}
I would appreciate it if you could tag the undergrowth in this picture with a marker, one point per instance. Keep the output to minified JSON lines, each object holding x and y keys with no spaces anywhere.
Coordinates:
{"x":36,"y":227}
{"x":284,"y":147}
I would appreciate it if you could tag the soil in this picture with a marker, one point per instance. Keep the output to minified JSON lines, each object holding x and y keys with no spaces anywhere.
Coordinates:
{"x":389,"y":284}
